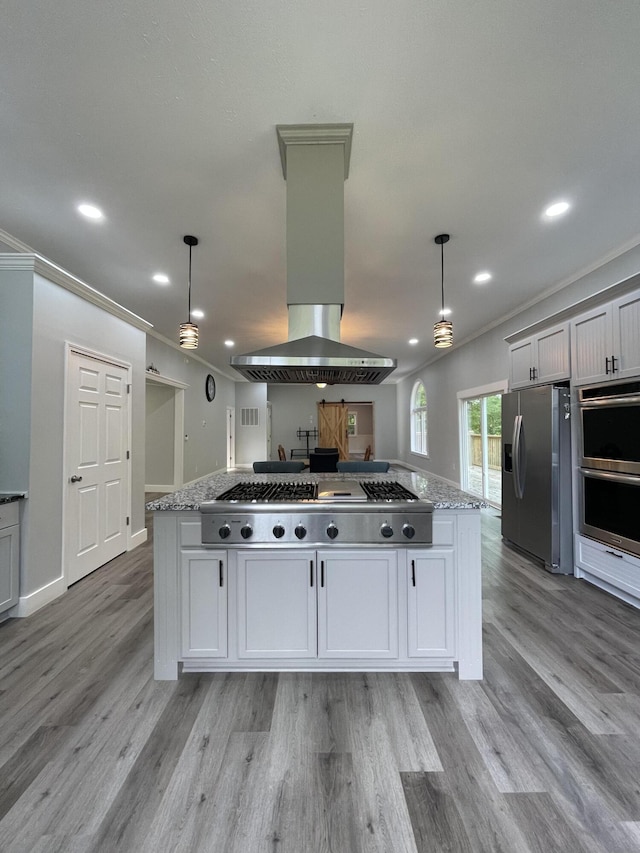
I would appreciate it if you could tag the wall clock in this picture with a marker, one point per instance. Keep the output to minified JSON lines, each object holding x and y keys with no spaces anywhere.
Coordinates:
{"x":210,"y":387}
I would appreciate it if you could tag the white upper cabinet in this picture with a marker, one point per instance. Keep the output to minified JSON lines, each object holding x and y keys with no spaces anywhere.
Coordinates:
{"x":605,"y":342}
{"x":626,"y":334}
{"x":541,"y":358}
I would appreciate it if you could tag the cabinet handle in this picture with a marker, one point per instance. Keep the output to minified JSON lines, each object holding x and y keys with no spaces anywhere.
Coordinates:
{"x":534,"y":372}
{"x":613,"y":554}
{"x":606,"y":365}
{"x":310,"y":572}
{"x":413,"y":572}
{"x":613,"y":364}
{"x":530,"y":376}
{"x":221,"y":573}
{"x":321,"y":572}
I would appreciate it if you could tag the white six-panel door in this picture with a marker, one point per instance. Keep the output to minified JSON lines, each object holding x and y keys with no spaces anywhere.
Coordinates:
{"x":96,"y":472}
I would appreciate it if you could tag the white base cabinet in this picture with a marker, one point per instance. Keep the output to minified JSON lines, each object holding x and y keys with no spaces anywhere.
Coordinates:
{"x":358,"y":604}
{"x":9,"y":556}
{"x":431,"y":599}
{"x":327,"y":610}
{"x":203,"y":604}
{"x":276,"y":604}
{"x":608,"y":568}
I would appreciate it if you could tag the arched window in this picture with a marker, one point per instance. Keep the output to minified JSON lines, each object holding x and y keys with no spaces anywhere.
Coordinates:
{"x":419,"y":419}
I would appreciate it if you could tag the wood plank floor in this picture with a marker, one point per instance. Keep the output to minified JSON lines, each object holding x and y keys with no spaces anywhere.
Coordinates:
{"x":542,"y":755}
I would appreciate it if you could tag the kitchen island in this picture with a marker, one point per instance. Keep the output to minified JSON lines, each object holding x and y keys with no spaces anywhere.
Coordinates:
{"x":384,"y":607}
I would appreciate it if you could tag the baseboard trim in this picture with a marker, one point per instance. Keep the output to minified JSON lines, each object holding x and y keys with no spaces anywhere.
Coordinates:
{"x":28,"y":604}
{"x":137,"y":538}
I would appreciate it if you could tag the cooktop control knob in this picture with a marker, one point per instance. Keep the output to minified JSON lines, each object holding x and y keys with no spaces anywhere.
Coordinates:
{"x":246,"y":530}
{"x":409,"y":530}
{"x":332,"y":531}
{"x":225,"y":531}
{"x":386,"y":530}
{"x":300,"y":531}
{"x":278,"y":531}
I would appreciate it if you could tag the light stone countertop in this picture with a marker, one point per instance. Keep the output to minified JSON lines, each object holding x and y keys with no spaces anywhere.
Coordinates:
{"x":439,"y":492}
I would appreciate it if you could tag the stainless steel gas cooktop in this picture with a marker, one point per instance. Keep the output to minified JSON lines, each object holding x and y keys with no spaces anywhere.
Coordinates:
{"x":348,"y":512}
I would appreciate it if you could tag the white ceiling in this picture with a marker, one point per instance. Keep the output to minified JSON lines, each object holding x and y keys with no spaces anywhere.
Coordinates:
{"x":469,"y":118}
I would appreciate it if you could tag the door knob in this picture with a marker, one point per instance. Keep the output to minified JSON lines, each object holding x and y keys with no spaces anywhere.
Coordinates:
{"x":75,"y":479}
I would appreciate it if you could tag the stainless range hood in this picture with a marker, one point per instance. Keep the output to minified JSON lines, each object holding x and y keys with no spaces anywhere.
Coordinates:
{"x":315,"y":164}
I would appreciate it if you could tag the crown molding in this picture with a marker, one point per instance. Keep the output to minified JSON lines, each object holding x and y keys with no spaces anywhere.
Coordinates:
{"x":315,"y":134}
{"x":37,"y":264}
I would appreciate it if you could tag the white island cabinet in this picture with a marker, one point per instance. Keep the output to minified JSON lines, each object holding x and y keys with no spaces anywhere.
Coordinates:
{"x":276,"y":604}
{"x":318,"y":608}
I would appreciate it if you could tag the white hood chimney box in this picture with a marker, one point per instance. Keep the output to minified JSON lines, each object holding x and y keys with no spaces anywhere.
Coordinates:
{"x":315,"y":165}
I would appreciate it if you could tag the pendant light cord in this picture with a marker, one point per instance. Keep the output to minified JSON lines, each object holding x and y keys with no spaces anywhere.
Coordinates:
{"x":191,"y":242}
{"x":190,"y":247}
{"x":442,"y":277}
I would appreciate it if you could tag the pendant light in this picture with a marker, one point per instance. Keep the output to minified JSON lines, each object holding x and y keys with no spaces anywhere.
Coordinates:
{"x":442,"y":330}
{"x":188,"y":332}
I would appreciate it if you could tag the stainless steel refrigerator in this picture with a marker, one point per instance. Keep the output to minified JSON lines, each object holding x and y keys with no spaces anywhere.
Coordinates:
{"x":536,"y":475}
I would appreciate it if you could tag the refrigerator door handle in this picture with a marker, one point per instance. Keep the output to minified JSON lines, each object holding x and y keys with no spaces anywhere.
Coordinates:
{"x":518,"y":457}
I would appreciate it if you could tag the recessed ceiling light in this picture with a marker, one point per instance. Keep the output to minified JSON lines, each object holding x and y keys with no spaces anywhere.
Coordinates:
{"x":413,"y":341}
{"x":197,"y":313}
{"x":482,"y":277}
{"x":557,"y":208}
{"x":229,"y":343}
{"x":161,"y":278}
{"x":90,"y":211}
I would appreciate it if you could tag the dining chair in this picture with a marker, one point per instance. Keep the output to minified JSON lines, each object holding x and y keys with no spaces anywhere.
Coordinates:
{"x":373,"y":466}
{"x":323,"y":462}
{"x":269,"y":467}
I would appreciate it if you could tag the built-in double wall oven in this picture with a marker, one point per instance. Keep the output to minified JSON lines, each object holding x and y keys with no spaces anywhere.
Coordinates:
{"x":610,"y":463}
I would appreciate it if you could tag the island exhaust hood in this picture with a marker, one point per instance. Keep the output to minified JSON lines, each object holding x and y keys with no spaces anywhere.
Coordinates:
{"x":315,"y":165}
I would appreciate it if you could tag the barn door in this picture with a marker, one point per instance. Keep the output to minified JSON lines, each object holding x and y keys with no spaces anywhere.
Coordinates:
{"x":332,"y":427}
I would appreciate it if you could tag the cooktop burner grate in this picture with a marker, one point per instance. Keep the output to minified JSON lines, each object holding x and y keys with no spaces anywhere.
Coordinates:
{"x":375,"y":490}
{"x":270,"y":492}
{"x":384,"y":490}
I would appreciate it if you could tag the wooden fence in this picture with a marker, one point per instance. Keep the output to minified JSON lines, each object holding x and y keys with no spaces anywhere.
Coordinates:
{"x":494,"y":444}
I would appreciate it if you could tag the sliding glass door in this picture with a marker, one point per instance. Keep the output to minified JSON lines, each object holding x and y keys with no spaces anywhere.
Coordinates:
{"x":481,"y":442}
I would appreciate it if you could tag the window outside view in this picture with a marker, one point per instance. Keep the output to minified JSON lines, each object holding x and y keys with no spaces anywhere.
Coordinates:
{"x":419,"y":419}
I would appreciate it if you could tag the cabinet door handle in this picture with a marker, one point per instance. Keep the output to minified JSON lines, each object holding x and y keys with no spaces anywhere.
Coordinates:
{"x":221,"y":573}
{"x":310,"y":572}
{"x":530,"y":376}
{"x":613,"y":364}
{"x":613,"y":554}
{"x":413,"y":572}
{"x":606,"y":365}
{"x":534,"y":372}
{"x":321,"y":572}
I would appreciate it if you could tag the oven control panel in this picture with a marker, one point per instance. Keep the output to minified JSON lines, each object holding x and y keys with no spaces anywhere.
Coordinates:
{"x":289,"y":528}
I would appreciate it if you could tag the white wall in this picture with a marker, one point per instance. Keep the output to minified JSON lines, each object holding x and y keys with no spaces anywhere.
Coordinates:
{"x":251,"y":441}
{"x":16,"y":312}
{"x":160,"y":434}
{"x":32,"y":391}
{"x":484,"y":361}
{"x":205,"y":429}
{"x":295,"y":406}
